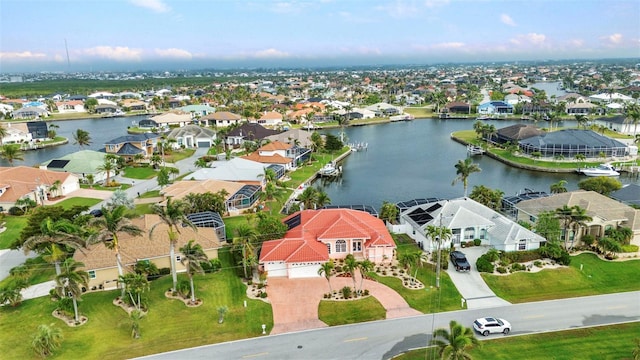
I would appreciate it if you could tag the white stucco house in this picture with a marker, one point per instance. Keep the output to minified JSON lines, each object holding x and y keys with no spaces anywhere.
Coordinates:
{"x":468,"y":220}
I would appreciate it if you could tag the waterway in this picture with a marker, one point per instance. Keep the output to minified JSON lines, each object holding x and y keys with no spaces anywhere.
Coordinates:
{"x":404,"y":160}
{"x":408,"y":160}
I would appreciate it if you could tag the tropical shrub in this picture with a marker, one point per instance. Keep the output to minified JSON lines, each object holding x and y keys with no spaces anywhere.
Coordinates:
{"x":501,"y":269}
{"x":212,"y":265}
{"x":346,"y":292}
{"x":484,"y":265}
{"x":16,"y":211}
{"x":564,"y":259}
{"x":183,"y":288}
{"x":588,"y":239}
{"x":263,"y":294}
{"x":492,"y":255}
{"x":521,"y":256}
{"x":630,"y":248}
{"x":518,"y":267}
{"x":477,"y":242}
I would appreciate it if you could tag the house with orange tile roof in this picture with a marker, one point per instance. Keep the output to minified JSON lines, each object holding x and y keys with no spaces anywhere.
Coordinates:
{"x":316,"y":236}
{"x":100,"y":262}
{"x":70,"y":106}
{"x":20,"y":182}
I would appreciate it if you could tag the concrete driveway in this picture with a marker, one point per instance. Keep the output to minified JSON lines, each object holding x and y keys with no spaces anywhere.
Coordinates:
{"x":471,"y":285}
{"x":295,"y":301}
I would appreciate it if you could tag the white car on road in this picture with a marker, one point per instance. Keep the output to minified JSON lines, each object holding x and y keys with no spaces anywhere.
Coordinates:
{"x":489,"y":325}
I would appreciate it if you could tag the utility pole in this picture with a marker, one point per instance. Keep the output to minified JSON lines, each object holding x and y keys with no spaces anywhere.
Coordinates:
{"x":439,"y":253}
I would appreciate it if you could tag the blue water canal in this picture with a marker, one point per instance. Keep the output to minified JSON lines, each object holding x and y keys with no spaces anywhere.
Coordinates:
{"x":404,"y":160}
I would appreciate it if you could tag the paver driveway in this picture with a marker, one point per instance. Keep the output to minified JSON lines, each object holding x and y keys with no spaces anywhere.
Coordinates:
{"x":295,"y":301}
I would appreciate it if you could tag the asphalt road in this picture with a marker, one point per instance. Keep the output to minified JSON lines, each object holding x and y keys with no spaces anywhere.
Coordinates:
{"x":387,"y":338}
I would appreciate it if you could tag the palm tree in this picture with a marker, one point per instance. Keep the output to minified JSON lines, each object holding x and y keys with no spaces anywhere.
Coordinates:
{"x":633,"y":114}
{"x":3,"y":132}
{"x":172,"y":215}
{"x":579,"y":218}
{"x":81,"y":138}
{"x":453,"y":344}
{"x":564,"y":215}
{"x":11,"y":153}
{"x":55,"y":187}
{"x":326,"y":270}
{"x":409,"y":260}
{"x":71,"y":281}
{"x":107,"y":167}
{"x":582,"y":120}
{"x":439,"y":234}
{"x":350,"y":266}
{"x":245,"y":239}
{"x":322,"y":198}
{"x":559,"y":187}
{"x":308,"y":197}
{"x":112,"y":223}
{"x":364,"y":266}
{"x":135,"y":284}
{"x":46,"y":340}
{"x":54,"y":239}
{"x":193,"y":254}
{"x":464,"y":168}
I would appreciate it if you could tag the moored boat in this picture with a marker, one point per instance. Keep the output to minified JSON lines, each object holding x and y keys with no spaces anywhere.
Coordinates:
{"x":330,"y":169}
{"x":474,"y":150}
{"x":600,"y":170}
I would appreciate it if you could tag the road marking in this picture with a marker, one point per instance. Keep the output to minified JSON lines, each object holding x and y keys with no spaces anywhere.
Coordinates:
{"x":357,"y":339}
{"x":534,"y":317}
{"x":254,"y":355}
{"x":616,"y":307}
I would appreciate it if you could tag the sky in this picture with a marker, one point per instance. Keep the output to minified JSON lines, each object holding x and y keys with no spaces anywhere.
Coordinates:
{"x":134,"y":35}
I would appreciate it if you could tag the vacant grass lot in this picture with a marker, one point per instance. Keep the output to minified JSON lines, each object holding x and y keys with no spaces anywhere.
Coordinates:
{"x":351,"y":312}
{"x":598,"y":343}
{"x":78,"y":201}
{"x":597,"y":277}
{"x":141,"y":173}
{"x":169,"y":324}
{"x":419,"y":112}
{"x":13,"y":225}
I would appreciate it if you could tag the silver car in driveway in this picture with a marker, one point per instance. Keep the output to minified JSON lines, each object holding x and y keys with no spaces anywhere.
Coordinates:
{"x":489,"y":325}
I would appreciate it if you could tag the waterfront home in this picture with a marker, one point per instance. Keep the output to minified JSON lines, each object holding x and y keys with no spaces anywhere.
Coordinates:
{"x":237,"y":169}
{"x":619,"y":123}
{"x":128,"y":146}
{"x":239,"y":196}
{"x":248,"y":132}
{"x":605,"y":212}
{"x":457,"y":107}
{"x":191,"y":136}
{"x":277,"y":152}
{"x":38,"y":130}
{"x":173,"y":118}
{"x":20,"y":182}
{"x":468,"y":220}
{"x":495,"y":107}
{"x":100,"y":261}
{"x":17,"y":133}
{"x":106,"y":109}
{"x":70,"y":106}
{"x":608,"y":98}
{"x":30,"y":112}
{"x":80,"y":163}
{"x":571,"y":142}
{"x":629,"y":195}
{"x":197,"y":111}
{"x":219,"y":119}
{"x":383,"y":109}
{"x":317,"y":236}
{"x":514,"y":133}
{"x":298,"y":137}
{"x":134,"y":105}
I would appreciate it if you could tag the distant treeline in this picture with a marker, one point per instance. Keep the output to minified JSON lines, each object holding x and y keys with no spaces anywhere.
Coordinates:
{"x":47,"y":88}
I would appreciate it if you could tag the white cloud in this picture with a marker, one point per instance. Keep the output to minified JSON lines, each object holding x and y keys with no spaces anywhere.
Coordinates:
{"x":576,"y":42}
{"x":613,"y":39}
{"x":24,"y":55}
{"x":507,"y":20}
{"x":530,"y":38}
{"x":449,"y":45}
{"x":174,"y":53}
{"x":270,"y":54}
{"x":117,"y":53}
{"x":155,"y":5}
{"x":435,"y":3}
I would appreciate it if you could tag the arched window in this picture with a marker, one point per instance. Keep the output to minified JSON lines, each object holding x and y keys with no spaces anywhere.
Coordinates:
{"x":341,"y":246}
{"x":469,"y":233}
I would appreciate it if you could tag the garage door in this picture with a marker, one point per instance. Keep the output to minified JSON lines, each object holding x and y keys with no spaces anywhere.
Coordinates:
{"x":276,"y":269}
{"x":304,"y":270}
{"x":204,"y":144}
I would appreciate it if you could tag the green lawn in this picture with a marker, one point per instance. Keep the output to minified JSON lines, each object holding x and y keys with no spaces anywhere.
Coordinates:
{"x":419,"y":112}
{"x":429,"y":299}
{"x":597,"y":277}
{"x":597,"y":343}
{"x":14,"y":225}
{"x":143,"y":173}
{"x":150,"y":194}
{"x":107,"y":188}
{"x":78,"y":201}
{"x":179,"y":155}
{"x":41,"y":271}
{"x":169,"y":324}
{"x":350,"y":312}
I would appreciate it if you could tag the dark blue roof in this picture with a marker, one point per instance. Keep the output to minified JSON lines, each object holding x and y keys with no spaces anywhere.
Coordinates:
{"x":133,"y":138}
{"x":128,"y":149}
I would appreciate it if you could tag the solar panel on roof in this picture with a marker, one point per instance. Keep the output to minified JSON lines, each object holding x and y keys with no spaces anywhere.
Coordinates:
{"x":293,"y":221}
{"x":57,"y":164}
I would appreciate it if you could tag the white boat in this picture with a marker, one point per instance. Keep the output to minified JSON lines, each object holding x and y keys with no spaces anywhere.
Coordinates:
{"x":330,"y":170}
{"x":600,"y":170}
{"x":474,"y":150}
